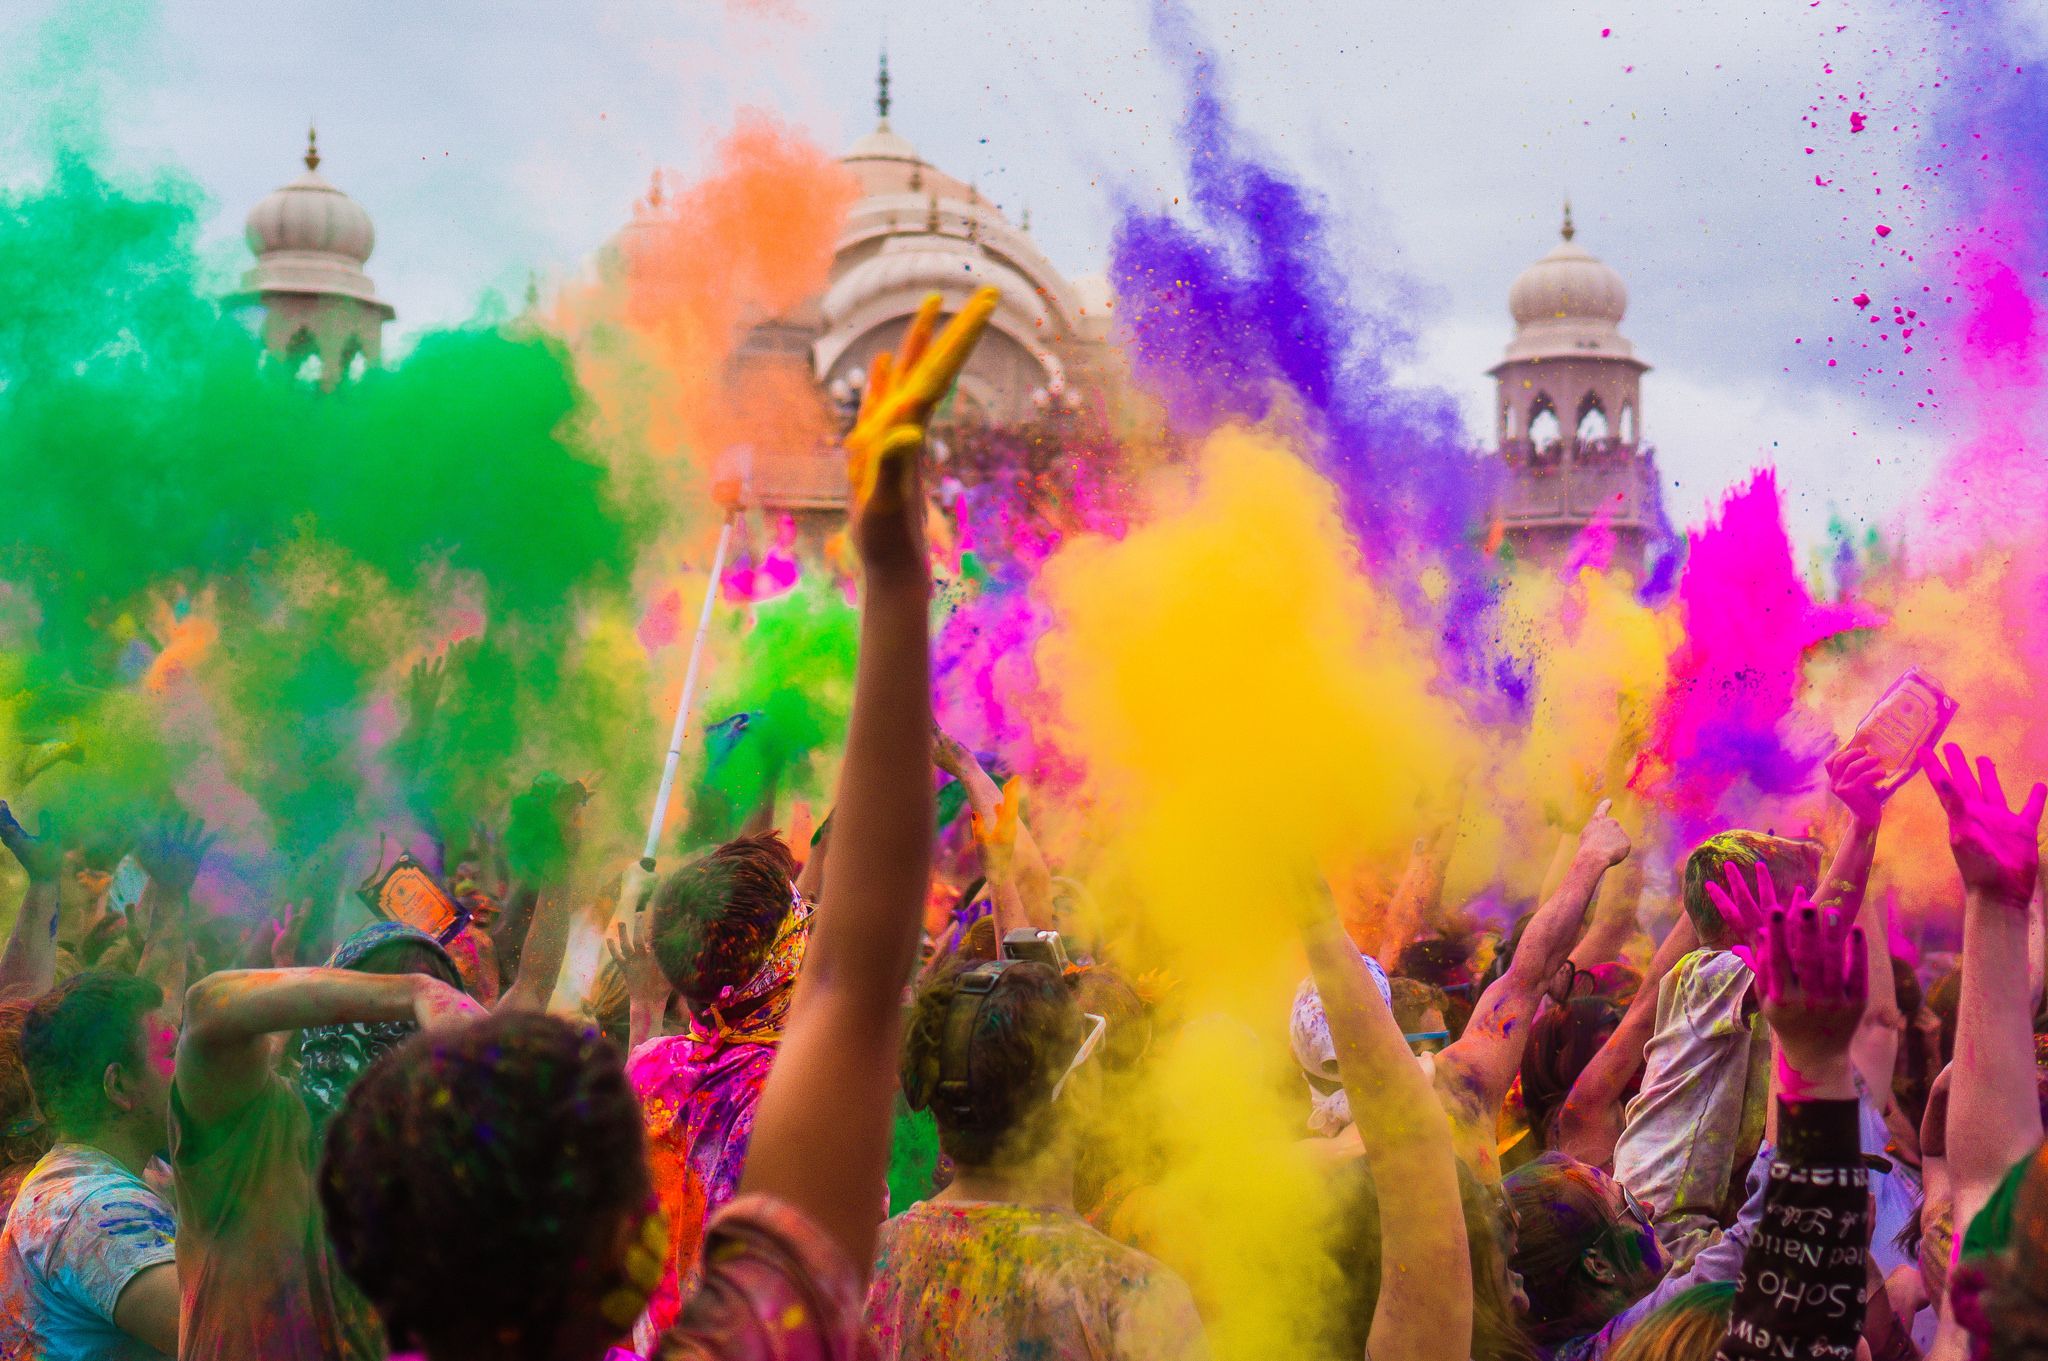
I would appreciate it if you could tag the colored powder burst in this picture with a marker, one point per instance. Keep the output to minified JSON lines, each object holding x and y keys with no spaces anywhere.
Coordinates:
{"x":155,"y":457}
{"x":1247,"y":312}
{"x":680,"y":287}
{"x":1246,"y":707}
{"x":791,"y":674}
{"x":1724,"y":729}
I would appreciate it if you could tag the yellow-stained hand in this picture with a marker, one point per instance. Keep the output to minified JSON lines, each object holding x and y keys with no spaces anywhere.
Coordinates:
{"x":901,"y":391}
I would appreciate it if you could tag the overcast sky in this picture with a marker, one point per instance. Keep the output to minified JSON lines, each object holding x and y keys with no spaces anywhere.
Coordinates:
{"x":490,"y":140}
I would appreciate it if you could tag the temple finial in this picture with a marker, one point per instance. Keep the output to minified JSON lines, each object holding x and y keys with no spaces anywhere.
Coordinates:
{"x":1568,"y":231}
{"x":312,"y":147}
{"x":882,"y":88}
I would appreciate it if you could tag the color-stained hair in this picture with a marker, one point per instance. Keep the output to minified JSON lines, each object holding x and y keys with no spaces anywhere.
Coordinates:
{"x":1793,"y":864}
{"x":1026,"y":1035}
{"x":1562,"y":1041}
{"x":475,"y":1181}
{"x":73,"y":1033}
{"x":715,"y":917}
{"x":1561,"y":1209}
{"x":1687,"y":1327}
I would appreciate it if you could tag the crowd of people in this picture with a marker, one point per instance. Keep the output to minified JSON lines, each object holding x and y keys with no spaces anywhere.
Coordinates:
{"x":1774,"y":1140}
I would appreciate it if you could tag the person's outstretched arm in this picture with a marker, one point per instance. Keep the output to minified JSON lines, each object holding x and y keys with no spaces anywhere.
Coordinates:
{"x":1853,"y":776}
{"x":547,"y":823}
{"x":1425,"y":1301}
{"x":1590,"y":1122}
{"x":28,"y":966}
{"x":1018,"y":879}
{"x":1813,"y":975}
{"x":1993,"y":1118}
{"x":821,"y":1131}
{"x":1483,"y":1060}
{"x":224,"y":1051}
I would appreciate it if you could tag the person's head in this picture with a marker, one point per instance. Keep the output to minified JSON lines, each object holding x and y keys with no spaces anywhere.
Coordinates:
{"x":1420,"y":1010}
{"x":716,"y":917}
{"x":331,"y":1057}
{"x":1687,"y":1327}
{"x":1562,"y":1041}
{"x":100,"y":1053}
{"x":482,"y":1185}
{"x":24,"y":1136}
{"x":986,"y":1063}
{"x":1584,"y":1247}
{"x":1792,"y":864}
{"x":1498,"y":1301}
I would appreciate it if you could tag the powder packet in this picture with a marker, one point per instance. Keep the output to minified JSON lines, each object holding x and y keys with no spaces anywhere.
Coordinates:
{"x":1906,"y":721}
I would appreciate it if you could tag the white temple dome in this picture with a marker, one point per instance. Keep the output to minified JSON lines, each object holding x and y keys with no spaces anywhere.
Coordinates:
{"x":925,"y":264}
{"x":883,"y":144}
{"x":310,"y":214}
{"x":1568,"y":284}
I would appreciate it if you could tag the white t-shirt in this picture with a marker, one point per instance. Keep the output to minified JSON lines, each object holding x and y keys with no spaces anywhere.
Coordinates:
{"x":82,"y":1227}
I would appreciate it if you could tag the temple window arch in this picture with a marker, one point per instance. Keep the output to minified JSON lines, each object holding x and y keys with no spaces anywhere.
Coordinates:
{"x":1592,"y":421}
{"x":1545,"y":430}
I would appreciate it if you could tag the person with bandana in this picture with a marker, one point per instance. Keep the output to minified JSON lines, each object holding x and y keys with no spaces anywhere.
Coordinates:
{"x":730,"y":931}
{"x":254,"y":1260}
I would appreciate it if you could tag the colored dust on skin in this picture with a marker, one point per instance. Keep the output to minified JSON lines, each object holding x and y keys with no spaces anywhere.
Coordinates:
{"x":1729,"y":734}
{"x":1309,"y":740}
{"x":1247,"y":313}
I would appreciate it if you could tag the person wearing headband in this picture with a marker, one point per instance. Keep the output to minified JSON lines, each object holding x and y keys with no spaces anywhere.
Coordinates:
{"x":999,"y":1263}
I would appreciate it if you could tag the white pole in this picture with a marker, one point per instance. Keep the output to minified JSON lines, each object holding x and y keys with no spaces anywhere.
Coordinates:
{"x":675,"y":736}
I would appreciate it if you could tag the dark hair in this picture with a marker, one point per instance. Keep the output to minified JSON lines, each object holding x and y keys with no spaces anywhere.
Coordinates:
{"x":715,"y":918}
{"x":1561,"y":1210}
{"x":24,"y":1137}
{"x":1413,"y":1000}
{"x":1562,"y":1041}
{"x":74,"y":1033}
{"x":1027,"y":1033}
{"x":475,"y":1181}
{"x":1945,"y":999}
{"x":397,"y":957}
{"x":1793,"y":864}
{"x":1103,"y":992}
{"x":1687,"y":1327}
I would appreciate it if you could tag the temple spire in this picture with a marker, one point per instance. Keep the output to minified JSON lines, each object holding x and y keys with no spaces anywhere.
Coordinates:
{"x":312,"y":147}
{"x":1568,"y":231}
{"x":882,"y":89}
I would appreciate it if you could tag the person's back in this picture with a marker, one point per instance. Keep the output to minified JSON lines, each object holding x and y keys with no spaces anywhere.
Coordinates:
{"x":1693,"y":1123}
{"x":998,"y":1263}
{"x":254,"y":1257}
{"x":981,"y":1279}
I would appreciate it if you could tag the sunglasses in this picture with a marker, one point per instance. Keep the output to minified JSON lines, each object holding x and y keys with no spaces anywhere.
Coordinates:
{"x":1081,"y":1055}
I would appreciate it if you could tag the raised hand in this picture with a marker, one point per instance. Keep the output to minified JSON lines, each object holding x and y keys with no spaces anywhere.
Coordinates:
{"x":997,"y":834}
{"x":631,"y":946}
{"x":1813,"y":975}
{"x":1854,"y":777}
{"x":1997,"y":849}
{"x":950,"y":756}
{"x":1748,"y":913}
{"x":41,"y":856}
{"x":171,"y":850}
{"x":882,"y":464}
{"x":1603,"y":837}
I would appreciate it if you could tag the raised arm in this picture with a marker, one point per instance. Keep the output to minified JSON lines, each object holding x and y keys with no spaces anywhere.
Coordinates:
{"x":834,"y":1083}
{"x":1590,"y":1122}
{"x":1813,"y":976}
{"x":546,"y":824}
{"x":1425,"y":1302}
{"x":1853,"y":776}
{"x":1993,"y":1119}
{"x":224,"y":1051}
{"x":170,"y":853}
{"x":1018,"y":879}
{"x":28,"y":966}
{"x":1483,"y":1060}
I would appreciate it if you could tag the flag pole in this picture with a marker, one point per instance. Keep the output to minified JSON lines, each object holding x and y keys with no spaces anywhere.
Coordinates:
{"x":675,"y":736}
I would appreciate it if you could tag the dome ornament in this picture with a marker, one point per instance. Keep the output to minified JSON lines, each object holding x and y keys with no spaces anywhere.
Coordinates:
{"x":882,"y":89}
{"x":312,"y":147}
{"x":1568,"y":231}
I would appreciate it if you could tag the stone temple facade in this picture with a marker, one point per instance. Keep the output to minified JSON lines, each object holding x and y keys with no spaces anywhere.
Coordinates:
{"x":1570,"y":413}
